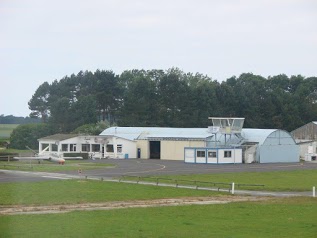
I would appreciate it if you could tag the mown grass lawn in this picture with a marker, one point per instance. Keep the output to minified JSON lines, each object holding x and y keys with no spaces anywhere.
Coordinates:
{"x":296,"y":180}
{"x":280,"y":218}
{"x":46,"y":166}
{"x":83,"y":191}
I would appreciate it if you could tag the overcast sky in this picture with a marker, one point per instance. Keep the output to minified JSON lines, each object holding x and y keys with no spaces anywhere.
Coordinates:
{"x":47,"y":40}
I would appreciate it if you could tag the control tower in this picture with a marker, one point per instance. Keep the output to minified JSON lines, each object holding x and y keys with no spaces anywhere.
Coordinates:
{"x":226,"y":130}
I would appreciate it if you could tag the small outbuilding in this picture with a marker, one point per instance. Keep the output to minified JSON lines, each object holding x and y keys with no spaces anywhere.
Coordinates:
{"x":306,"y":137}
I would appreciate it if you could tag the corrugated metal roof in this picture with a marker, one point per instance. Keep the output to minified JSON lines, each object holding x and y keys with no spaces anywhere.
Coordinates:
{"x":143,"y":133}
{"x":256,"y":135}
{"x":59,"y":137}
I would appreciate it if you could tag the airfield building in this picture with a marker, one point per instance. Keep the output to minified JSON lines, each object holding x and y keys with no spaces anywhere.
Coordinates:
{"x":225,"y":142}
{"x":306,"y":137}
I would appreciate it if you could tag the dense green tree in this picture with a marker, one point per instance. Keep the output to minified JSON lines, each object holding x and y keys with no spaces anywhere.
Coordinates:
{"x":108,"y":93}
{"x":92,"y":128}
{"x":172,"y":98}
{"x":82,"y":112}
{"x":39,"y":102}
{"x":139,"y":106}
{"x":28,"y":134}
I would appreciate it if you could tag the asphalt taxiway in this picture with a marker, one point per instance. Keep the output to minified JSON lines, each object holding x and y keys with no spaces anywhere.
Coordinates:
{"x":139,"y":167}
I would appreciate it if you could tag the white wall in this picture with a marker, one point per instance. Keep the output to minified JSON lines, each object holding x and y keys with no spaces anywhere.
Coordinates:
{"x":307,"y":148}
{"x":235,"y":158}
{"x":128,"y":148}
{"x":191,"y":155}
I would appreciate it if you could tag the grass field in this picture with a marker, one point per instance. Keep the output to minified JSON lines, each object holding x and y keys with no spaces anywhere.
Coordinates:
{"x":296,"y":180}
{"x":280,"y":218}
{"x":6,"y":129}
{"x":82,"y":191}
{"x":287,"y":217}
{"x":46,"y":166}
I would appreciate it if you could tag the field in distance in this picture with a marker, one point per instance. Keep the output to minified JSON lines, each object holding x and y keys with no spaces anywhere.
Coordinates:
{"x":6,"y":129}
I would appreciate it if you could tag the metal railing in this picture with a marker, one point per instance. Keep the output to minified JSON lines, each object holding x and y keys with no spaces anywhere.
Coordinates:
{"x":184,"y":183}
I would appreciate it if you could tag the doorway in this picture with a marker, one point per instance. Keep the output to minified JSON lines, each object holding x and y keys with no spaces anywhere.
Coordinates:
{"x":155,"y":149}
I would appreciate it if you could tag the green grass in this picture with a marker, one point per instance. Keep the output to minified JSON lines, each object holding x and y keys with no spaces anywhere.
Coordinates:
{"x":6,"y":130}
{"x":82,"y":191}
{"x":46,"y":166}
{"x":296,"y":180}
{"x":284,"y":218}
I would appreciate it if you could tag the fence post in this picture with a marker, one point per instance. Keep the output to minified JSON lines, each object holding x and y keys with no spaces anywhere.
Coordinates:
{"x":314,"y":191}
{"x":232,"y":188}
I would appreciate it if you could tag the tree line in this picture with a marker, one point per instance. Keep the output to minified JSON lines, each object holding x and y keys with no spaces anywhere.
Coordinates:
{"x":173,"y":98}
{"x":10,"y":119}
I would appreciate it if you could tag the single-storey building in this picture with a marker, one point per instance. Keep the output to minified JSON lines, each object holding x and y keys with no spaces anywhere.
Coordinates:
{"x":271,"y":145}
{"x":306,"y":137}
{"x":191,"y":145}
{"x":159,"y":143}
{"x":93,"y":146}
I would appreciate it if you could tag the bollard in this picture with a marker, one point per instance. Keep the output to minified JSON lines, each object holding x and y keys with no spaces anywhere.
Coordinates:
{"x":232,"y":188}
{"x":314,"y":191}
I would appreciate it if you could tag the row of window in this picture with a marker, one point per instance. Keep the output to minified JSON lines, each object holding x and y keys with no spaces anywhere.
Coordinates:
{"x":84,"y":147}
{"x":212,"y":154}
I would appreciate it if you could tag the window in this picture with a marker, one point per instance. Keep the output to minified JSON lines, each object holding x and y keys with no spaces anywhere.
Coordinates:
{"x":119,"y":148}
{"x":95,"y":147}
{"x":212,"y":154}
{"x":109,"y":148}
{"x":227,"y":153}
{"x":201,"y":153}
{"x":44,"y":146}
{"x":85,"y":147}
{"x":54,"y":147}
{"x":72,"y":147}
{"x":64,"y":147}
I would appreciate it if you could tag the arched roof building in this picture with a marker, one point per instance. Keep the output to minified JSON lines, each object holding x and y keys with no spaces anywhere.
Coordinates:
{"x":273,"y":145}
